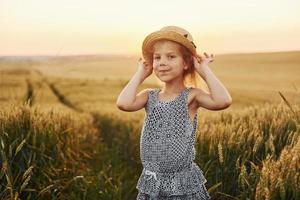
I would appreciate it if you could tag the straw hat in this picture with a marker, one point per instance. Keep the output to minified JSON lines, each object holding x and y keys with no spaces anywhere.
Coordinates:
{"x":173,"y":33}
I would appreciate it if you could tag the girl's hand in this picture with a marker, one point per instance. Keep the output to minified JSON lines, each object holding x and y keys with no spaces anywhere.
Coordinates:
{"x":144,"y":68}
{"x":202,"y":61}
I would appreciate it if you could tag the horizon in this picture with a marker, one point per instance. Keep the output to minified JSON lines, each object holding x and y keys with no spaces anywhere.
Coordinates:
{"x":136,"y":55}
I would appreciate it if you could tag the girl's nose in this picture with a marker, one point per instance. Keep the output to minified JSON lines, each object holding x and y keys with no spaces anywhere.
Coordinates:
{"x":162,"y":62}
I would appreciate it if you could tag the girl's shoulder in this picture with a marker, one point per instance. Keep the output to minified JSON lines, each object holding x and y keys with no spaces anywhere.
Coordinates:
{"x":193,"y":91}
{"x":146,"y":92}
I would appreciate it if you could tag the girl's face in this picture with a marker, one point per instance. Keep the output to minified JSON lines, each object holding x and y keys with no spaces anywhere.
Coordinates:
{"x":168,"y":62}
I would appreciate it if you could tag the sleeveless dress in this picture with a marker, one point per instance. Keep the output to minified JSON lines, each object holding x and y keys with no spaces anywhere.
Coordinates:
{"x":167,"y":151}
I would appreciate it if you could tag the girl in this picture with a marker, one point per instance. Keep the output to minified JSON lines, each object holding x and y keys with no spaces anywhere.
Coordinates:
{"x":168,"y":135}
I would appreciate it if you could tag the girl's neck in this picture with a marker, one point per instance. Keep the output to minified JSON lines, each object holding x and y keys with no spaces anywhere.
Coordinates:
{"x":173,"y":89}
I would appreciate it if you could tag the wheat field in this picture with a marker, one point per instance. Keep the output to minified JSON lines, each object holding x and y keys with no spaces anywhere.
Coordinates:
{"x":62,"y":137}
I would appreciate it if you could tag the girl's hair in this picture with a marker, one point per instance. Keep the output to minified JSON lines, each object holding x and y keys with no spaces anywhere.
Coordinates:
{"x":190,"y":76}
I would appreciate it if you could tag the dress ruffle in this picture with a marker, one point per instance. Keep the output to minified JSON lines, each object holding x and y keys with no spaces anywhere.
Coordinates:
{"x":177,"y":183}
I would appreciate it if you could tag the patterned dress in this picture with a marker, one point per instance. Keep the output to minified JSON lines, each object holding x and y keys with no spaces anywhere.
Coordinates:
{"x":167,"y":151}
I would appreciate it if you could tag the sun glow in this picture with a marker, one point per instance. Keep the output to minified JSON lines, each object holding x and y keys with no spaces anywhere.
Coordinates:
{"x":35,"y":27}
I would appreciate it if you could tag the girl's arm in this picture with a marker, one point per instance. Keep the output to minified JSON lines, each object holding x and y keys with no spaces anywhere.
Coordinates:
{"x":218,"y":98}
{"x":127,"y":99}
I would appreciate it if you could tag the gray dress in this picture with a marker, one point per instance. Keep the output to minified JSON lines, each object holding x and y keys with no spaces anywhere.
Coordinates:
{"x":167,"y":151}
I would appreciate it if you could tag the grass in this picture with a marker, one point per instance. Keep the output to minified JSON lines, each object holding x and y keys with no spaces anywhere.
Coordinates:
{"x":62,"y":137}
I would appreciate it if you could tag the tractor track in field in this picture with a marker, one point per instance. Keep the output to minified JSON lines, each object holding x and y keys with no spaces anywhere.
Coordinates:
{"x":55,"y":91}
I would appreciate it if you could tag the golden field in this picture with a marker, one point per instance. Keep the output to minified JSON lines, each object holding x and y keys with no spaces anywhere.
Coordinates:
{"x":69,"y":141}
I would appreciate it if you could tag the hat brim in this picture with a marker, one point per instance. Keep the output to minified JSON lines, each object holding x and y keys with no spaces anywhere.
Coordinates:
{"x":168,"y":35}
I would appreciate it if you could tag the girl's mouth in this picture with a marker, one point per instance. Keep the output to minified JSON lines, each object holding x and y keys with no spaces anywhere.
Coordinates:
{"x":164,"y":71}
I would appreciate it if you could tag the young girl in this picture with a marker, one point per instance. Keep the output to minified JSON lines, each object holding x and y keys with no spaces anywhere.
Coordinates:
{"x":168,"y":135}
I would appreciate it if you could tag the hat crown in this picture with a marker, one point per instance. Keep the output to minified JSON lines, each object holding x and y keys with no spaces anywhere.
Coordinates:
{"x":179,"y":30}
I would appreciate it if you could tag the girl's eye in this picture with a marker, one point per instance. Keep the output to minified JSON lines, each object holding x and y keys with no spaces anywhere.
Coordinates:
{"x":168,"y":57}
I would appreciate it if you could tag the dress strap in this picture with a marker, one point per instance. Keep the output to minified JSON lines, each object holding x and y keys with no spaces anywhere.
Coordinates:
{"x":186,"y":95}
{"x":151,"y":100}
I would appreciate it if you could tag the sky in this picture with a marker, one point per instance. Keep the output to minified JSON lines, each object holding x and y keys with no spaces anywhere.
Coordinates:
{"x":73,"y":27}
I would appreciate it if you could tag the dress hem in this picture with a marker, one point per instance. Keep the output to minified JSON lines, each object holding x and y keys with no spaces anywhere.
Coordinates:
{"x":180,"y":183}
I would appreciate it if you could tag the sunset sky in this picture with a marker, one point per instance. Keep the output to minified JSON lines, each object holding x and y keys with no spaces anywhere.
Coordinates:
{"x":65,"y":27}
